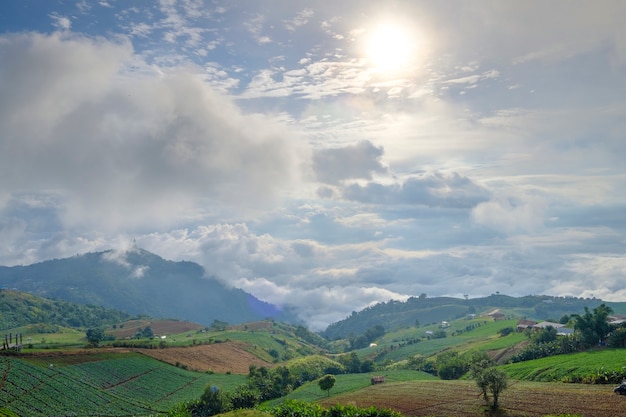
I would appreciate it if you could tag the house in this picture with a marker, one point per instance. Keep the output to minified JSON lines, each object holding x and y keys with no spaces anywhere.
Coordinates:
{"x":496,"y":315}
{"x":444,"y":325}
{"x":523,"y":325}
{"x":546,"y":324}
{"x":564,"y":331}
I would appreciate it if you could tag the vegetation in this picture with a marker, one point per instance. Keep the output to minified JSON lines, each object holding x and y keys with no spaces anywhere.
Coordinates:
{"x":492,"y":381}
{"x":474,"y":357}
{"x":19,"y":309}
{"x":326,"y":383}
{"x":166,"y":289}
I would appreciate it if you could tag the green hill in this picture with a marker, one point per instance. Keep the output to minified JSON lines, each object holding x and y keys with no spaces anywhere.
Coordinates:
{"x":21,"y":309}
{"x":424,"y":310}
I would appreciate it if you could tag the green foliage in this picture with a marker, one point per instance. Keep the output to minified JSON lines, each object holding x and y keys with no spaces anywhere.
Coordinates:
{"x":271,"y":383}
{"x":95,"y":335}
{"x":353,"y":364}
{"x":450,"y":365}
{"x":305,"y":409}
{"x":213,"y":401}
{"x":593,"y":327}
{"x":617,"y":338}
{"x":505,"y":331}
{"x":367,"y":337}
{"x":310,"y":337}
{"x":292,"y":408}
{"x":604,"y":366}
{"x":146,"y":333}
{"x":439,"y":334}
{"x":492,"y":381}
{"x":19,"y":309}
{"x":309,"y":368}
{"x":326,"y":383}
{"x":547,"y":335}
{"x":244,"y":396}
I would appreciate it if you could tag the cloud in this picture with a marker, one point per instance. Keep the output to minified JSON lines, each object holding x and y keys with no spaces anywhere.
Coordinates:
{"x":432,"y":189}
{"x":61,"y":22}
{"x":148,"y":147}
{"x":358,"y":161}
{"x":510,"y":216}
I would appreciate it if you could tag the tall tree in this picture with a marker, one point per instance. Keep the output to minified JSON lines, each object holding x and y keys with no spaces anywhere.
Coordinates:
{"x":593,"y":327}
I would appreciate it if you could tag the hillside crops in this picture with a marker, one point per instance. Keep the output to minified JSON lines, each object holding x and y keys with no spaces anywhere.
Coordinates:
{"x":604,"y":366}
{"x":128,"y":384}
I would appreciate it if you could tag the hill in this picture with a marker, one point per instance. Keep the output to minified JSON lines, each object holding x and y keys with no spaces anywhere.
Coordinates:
{"x":22,"y":309}
{"x":424,"y":310}
{"x":140,"y":283}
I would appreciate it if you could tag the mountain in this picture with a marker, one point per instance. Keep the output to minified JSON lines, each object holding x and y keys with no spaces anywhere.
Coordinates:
{"x":423,"y":310}
{"x":140,"y":282}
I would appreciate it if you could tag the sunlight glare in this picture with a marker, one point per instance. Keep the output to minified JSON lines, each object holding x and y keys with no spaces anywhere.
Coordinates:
{"x":391,"y":47}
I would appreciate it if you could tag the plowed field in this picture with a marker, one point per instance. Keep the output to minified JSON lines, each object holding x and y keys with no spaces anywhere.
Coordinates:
{"x":219,"y":357}
{"x":461,"y":398}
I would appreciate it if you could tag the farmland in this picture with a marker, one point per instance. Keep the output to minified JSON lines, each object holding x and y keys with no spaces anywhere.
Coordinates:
{"x":109,"y":384}
{"x":461,"y":398}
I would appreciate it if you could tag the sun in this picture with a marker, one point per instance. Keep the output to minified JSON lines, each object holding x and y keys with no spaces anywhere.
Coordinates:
{"x":390,"y":47}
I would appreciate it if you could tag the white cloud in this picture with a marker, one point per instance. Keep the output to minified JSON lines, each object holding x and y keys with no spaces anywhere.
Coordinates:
{"x":61,"y":22}
{"x":147,"y":147}
{"x":510,"y":216}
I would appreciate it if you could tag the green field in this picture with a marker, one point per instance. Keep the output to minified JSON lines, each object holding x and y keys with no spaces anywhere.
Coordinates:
{"x":349,"y":383}
{"x":596,"y":366}
{"x":483,"y":335}
{"x":108,"y":384}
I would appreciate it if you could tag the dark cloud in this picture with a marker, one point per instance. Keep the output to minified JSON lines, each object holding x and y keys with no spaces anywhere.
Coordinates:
{"x":358,"y":161}
{"x":432,"y":189}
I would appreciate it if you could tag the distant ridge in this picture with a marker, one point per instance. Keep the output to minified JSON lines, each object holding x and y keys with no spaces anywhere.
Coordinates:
{"x":139,"y":282}
{"x":428,"y":310}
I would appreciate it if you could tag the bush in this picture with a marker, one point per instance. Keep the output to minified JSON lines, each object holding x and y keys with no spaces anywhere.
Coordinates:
{"x":292,"y":408}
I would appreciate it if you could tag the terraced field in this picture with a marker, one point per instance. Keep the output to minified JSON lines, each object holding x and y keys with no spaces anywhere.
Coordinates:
{"x":108,"y":384}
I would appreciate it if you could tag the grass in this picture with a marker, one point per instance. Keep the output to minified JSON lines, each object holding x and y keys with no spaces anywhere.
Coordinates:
{"x":484,"y":336}
{"x":349,"y":383}
{"x":568,"y":367}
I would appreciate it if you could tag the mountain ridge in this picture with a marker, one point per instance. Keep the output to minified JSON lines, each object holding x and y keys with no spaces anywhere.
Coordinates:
{"x":140,"y":282}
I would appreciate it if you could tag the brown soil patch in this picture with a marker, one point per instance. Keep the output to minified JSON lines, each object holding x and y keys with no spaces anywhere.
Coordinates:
{"x":460,"y":398}
{"x":159,"y":327}
{"x":219,"y":357}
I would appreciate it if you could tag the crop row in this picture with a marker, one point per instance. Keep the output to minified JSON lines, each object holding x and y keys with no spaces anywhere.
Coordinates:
{"x":112,"y":372}
{"x":34,"y":391}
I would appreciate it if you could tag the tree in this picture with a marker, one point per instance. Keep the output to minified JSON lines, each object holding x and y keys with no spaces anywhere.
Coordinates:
{"x":593,"y":327}
{"x":95,"y":335}
{"x":546,"y":335}
{"x":326,"y":383}
{"x":491,"y":380}
{"x":213,"y":401}
{"x":450,"y":365}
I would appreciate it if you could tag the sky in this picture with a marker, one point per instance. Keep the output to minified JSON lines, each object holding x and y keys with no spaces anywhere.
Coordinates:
{"x":326,"y":155}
